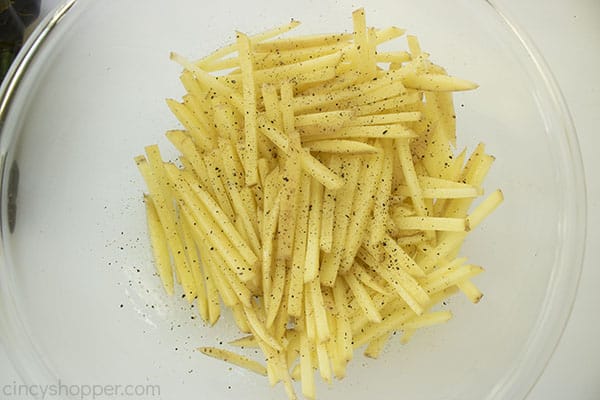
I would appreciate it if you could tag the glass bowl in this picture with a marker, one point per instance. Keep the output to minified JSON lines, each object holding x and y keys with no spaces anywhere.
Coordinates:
{"x":80,"y":303}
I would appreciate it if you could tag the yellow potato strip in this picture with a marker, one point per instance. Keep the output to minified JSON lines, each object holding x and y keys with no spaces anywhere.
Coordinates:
{"x":154,"y":175}
{"x":277,"y":292}
{"x":235,"y":359}
{"x":376,"y":131}
{"x":363,"y":298}
{"x":387,"y":34}
{"x":484,"y":209}
{"x":388,"y":81}
{"x":332,"y":260}
{"x":211,"y":82}
{"x":266,"y":60}
{"x":248,"y":76}
{"x":335,"y":118}
{"x":376,"y":346}
{"x":302,"y":42}
{"x":382,"y":195}
{"x":312,"y":261}
{"x":470,"y":290}
{"x":362,"y":275}
{"x":306,"y":368}
{"x":388,"y":104}
{"x":316,"y":69}
{"x":215,"y":211}
{"x":323,"y":362}
{"x":432,"y":223}
{"x":344,"y":331}
{"x":270,"y":219}
{"x":410,"y":175}
{"x":388,"y":324}
{"x":329,"y":202}
{"x":437,"y":83}
{"x":392,"y":57}
{"x":450,"y":278}
{"x":194,"y":262}
{"x":341,"y":146}
{"x":221,"y":269}
{"x":191,"y":123}
{"x":446,"y":246}
{"x":406,"y":287}
{"x":362,"y":208}
{"x":399,"y":257}
{"x":426,"y":320}
{"x":310,"y":164}
{"x":160,"y":249}
{"x":259,"y":330}
{"x":442,"y":193}
{"x":320,"y":313}
{"x":215,"y":235}
{"x":385,"y":119}
{"x":299,"y":251}
{"x":255,"y":39}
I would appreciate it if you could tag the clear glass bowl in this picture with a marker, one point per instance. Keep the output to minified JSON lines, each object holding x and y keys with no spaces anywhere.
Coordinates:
{"x":79,"y":299}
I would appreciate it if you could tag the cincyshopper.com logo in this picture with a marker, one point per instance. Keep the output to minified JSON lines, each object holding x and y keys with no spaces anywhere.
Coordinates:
{"x":60,"y":390}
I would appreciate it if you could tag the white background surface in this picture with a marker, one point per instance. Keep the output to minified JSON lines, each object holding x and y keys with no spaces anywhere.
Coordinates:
{"x":567,"y":33}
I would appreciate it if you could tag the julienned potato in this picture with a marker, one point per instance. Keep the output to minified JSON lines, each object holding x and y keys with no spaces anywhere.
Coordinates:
{"x":318,"y":195}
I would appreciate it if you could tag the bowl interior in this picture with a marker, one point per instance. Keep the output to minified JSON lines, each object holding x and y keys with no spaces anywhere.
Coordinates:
{"x":78,"y":265}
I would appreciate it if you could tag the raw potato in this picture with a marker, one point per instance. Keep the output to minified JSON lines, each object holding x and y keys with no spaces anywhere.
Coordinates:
{"x":318,"y":196}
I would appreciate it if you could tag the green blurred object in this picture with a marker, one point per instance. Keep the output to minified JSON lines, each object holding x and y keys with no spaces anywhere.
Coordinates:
{"x":15,"y":16}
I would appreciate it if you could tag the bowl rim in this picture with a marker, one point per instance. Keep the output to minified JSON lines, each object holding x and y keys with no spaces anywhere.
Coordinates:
{"x":562,"y":288}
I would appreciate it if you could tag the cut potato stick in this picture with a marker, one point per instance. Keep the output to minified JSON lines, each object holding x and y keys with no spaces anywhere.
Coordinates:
{"x":249,"y":81}
{"x":302,"y":42}
{"x":154,"y":175}
{"x":362,"y":207}
{"x":484,"y":209}
{"x":209,"y":81}
{"x":320,"y":314}
{"x":397,"y":131}
{"x":192,"y":124}
{"x":312,"y":260}
{"x":392,"y":57}
{"x":432,"y":223}
{"x":224,"y":235}
{"x":335,"y":119}
{"x":255,"y":39}
{"x":437,"y":83}
{"x":344,"y":331}
{"x":217,"y":213}
{"x":234,"y":358}
{"x":363,"y":298}
{"x":428,"y":319}
{"x":470,"y":290}
{"x":382,"y":195}
{"x":385,"y":119}
{"x":400,"y":258}
{"x":376,"y":346}
{"x":160,"y":249}
{"x":332,"y":260}
{"x":299,"y":251}
{"x":194,"y":263}
{"x":408,"y":169}
{"x":306,"y":368}
{"x":362,"y":275}
{"x":310,"y":164}
{"x":329,"y":202}
{"x":388,"y":104}
{"x":341,"y":146}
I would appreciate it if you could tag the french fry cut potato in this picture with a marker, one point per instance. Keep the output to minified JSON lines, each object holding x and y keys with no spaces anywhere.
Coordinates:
{"x":316,"y":197}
